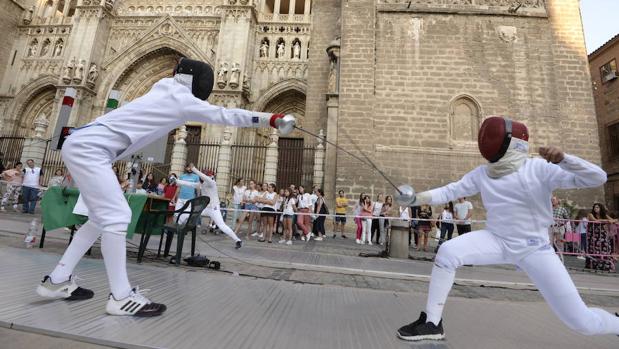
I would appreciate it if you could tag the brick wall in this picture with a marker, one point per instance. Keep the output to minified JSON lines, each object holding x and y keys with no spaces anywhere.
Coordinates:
{"x":401,"y":71}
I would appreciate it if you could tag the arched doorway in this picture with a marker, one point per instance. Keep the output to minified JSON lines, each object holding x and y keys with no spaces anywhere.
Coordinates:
{"x":295,"y":161}
{"x":39,"y":105}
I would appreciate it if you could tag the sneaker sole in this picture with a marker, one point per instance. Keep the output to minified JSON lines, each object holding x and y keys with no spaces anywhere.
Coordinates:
{"x":151,"y":314}
{"x":435,"y":337}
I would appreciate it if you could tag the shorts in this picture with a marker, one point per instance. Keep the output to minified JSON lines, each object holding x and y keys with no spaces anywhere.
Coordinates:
{"x":251,"y":207}
{"x":267,"y":212}
{"x":289,"y":216}
{"x":463,"y":228}
{"x":340,"y":218}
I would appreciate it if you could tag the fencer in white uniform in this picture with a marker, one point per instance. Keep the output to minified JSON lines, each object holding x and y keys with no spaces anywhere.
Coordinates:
{"x":516,"y":192}
{"x":208,"y":188}
{"x":89,"y":153}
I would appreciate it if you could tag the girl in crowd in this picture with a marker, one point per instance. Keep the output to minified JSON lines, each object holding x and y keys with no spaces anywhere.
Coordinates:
{"x":290,"y":208}
{"x":170,"y":191}
{"x":446,"y":221}
{"x":238,"y":189}
{"x":161,"y":186}
{"x":250,"y":207}
{"x":384,"y":223}
{"x":598,"y":240}
{"x":57,"y":179}
{"x":268,"y":201}
{"x":262,"y":189}
{"x":321,"y":209}
{"x":304,"y":202}
{"x":366,"y":213}
{"x":149,"y":184}
{"x":377,"y":208}
{"x":358,"y":221}
{"x":425,"y":225}
{"x":278,"y":211}
{"x":14,"y":177}
{"x":581,"y":228}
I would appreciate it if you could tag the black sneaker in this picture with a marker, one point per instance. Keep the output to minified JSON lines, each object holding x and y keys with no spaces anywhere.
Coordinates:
{"x":420,"y":330}
{"x":238,"y":244}
{"x":334,"y":236}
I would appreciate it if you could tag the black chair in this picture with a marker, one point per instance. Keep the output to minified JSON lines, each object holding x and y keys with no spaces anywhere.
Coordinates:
{"x":192,"y":211}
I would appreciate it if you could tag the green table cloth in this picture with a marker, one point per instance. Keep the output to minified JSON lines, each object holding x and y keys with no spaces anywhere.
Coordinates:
{"x":58,"y":203}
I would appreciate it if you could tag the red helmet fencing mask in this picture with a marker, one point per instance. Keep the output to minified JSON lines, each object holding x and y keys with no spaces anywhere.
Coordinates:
{"x":495,"y":135}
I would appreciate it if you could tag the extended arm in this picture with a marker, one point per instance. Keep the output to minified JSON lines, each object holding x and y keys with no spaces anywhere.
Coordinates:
{"x":467,"y":186}
{"x":187,"y":183}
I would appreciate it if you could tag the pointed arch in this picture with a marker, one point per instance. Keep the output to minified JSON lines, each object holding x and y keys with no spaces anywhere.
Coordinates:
{"x":465,"y":116}
{"x":34,"y":99}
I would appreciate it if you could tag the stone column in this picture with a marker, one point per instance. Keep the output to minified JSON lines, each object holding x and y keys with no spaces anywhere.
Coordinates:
{"x":276,"y":9}
{"x":319,"y":161}
{"x":67,"y":7}
{"x":34,"y":147}
{"x":179,"y":152}
{"x":331,"y":152}
{"x":306,"y":11}
{"x":55,"y":8}
{"x":291,"y":7}
{"x":224,"y":162}
{"x":270,"y":162}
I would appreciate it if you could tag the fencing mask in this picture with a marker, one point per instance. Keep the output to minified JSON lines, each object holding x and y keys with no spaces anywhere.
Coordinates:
{"x":495,"y":136}
{"x":196,"y":75}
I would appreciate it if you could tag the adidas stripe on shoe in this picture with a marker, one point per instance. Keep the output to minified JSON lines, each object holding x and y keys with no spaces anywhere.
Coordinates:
{"x":135,"y":305}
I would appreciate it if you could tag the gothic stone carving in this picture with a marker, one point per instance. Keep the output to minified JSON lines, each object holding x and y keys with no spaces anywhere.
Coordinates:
{"x":507,"y":33}
{"x":235,"y":74}
{"x":222,"y":75}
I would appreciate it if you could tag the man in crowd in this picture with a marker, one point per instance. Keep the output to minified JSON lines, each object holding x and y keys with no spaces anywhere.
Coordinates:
{"x":341,"y":204}
{"x":187,"y":193}
{"x":463,"y":210}
{"x":557,"y":230}
{"x":30,"y":186}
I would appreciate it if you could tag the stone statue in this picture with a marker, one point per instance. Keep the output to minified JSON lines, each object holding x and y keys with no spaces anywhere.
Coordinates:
{"x":235,"y":75}
{"x":93,"y":74}
{"x":264,"y":49}
{"x":45,"y":47}
{"x":332,"y":87}
{"x":68,"y":71}
{"x":222,"y":75}
{"x":58,"y":48}
{"x":32,"y":49}
{"x":28,"y":15}
{"x":109,"y":4}
{"x":281,"y":50}
{"x":79,"y":72}
{"x":296,"y":50}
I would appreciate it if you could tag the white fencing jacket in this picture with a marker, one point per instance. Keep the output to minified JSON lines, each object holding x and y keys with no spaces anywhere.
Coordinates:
{"x":208,"y":188}
{"x":518,"y":205}
{"x":167,"y":106}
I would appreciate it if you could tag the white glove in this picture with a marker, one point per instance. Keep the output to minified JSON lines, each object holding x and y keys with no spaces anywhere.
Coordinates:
{"x":284,"y":123}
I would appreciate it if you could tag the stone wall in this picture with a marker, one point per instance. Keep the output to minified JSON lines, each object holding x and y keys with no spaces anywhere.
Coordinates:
{"x":415,"y":86}
{"x":606,"y":94}
{"x":10,"y":15}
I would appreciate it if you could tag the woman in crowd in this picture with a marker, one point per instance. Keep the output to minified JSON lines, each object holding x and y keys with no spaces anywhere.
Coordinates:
{"x":598,"y":240}
{"x":358,"y":221}
{"x":424,"y":227}
{"x":149,"y":184}
{"x":268,"y":201}
{"x":321,"y":210}
{"x":250,"y":209}
{"x":262,"y":189}
{"x":377,"y":208}
{"x":238,"y":189}
{"x":446,"y":222}
{"x":366,"y":220}
{"x":384,"y":223}
{"x":14,"y":178}
{"x":290,"y":208}
{"x":304,"y":203}
{"x":57,"y":179}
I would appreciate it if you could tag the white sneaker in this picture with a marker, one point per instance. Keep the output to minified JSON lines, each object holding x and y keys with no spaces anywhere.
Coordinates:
{"x":135,"y":304}
{"x":16,"y":208}
{"x":282,"y":241}
{"x":308,"y":238}
{"x":358,"y":241}
{"x":65,"y":290}
{"x":318,"y":238}
{"x":289,"y":242}
{"x":582,"y":258}
{"x":254,"y":234}
{"x":2,"y":209}
{"x":370,"y":243}
{"x":302,"y":237}
{"x":261,"y":235}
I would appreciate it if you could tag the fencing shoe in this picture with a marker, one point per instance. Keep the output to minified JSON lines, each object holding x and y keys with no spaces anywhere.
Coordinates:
{"x":135,"y":304}
{"x":65,"y":290}
{"x":420,"y":330}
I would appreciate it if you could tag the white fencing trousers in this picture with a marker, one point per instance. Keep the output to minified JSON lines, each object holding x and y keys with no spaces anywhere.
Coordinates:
{"x":543,"y":268}
{"x":88,"y":154}
{"x":215,"y":214}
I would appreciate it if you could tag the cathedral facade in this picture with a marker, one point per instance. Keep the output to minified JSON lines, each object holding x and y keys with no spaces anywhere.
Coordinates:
{"x":406,"y":83}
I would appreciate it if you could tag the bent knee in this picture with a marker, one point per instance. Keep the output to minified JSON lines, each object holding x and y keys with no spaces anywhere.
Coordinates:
{"x":447,"y":257}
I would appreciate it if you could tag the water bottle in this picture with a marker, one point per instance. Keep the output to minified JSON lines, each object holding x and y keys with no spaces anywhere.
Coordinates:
{"x":30,"y":238}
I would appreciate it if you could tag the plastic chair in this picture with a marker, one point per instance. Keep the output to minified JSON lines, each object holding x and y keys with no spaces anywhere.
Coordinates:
{"x":191,"y":210}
